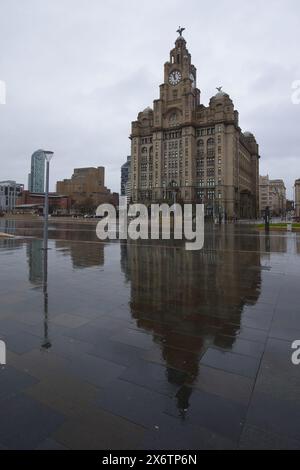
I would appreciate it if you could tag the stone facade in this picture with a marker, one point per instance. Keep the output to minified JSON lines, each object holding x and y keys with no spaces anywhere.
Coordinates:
{"x":186,"y":152}
{"x":278,"y":191}
{"x":272,"y":194}
{"x":87,"y":184}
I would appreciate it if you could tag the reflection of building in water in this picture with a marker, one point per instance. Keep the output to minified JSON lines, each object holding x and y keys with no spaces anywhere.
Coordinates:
{"x":7,"y":226}
{"x":86,"y":233}
{"x":190,"y":300}
{"x":7,"y":244}
{"x":298,"y":244}
{"x":83,"y":255}
{"x":35,"y":261}
{"x":124,"y":260}
{"x":274,"y":243}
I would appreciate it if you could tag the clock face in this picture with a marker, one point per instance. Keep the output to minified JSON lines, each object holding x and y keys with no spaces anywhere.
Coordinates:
{"x":193,"y":80}
{"x":174,"y":77}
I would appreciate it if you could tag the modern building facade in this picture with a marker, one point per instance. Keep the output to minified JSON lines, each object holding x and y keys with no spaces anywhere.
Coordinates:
{"x":186,"y":152}
{"x":297,"y":198}
{"x":36,"y":177}
{"x":272,"y":194}
{"x":126,"y":179}
{"x":87,"y":184}
{"x":9,"y":192}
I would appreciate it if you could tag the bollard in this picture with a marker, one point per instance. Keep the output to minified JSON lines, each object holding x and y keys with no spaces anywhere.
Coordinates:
{"x":267,"y":219}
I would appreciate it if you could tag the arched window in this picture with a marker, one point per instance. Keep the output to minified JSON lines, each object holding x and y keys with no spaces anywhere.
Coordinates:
{"x":211,"y":142}
{"x":173,"y":119}
{"x":144,"y":150}
{"x":200,"y":143}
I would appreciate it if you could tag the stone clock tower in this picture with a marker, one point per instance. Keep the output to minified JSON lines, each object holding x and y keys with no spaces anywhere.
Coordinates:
{"x":178,"y":95}
{"x":179,"y":147}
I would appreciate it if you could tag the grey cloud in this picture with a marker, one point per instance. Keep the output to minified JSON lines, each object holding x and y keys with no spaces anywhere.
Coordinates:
{"x":79,"y":72}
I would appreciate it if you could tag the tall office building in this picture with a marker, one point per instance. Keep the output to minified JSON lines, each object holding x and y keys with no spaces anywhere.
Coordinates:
{"x":188,"y":152}
{"x":36,"y":177}
{"x":125,"y":179}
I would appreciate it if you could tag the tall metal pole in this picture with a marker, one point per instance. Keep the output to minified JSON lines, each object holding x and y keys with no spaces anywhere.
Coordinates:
{"x":46,"y":343}
{"x":46,"y":207}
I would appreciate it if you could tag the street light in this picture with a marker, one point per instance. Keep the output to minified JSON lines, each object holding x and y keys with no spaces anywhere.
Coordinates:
{"x":46,"y":343}
{"x":48,"y":156}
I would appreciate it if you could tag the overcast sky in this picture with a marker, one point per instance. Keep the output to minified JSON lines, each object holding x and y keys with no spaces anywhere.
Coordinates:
{"x":78,"y":72}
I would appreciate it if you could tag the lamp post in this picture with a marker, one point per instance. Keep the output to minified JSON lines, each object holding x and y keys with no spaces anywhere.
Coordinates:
{"x":48,"y":157}
{"x":46,"y":342}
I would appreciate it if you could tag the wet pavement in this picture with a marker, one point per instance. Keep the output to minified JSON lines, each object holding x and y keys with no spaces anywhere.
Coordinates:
{"x":143,"y":345}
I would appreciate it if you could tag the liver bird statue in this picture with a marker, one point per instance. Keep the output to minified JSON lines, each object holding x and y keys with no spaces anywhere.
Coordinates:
{"x":180,"y":30}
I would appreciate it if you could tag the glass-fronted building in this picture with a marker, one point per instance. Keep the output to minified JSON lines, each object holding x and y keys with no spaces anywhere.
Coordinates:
{"x":125,"y":179}
{"x":36,"y":179}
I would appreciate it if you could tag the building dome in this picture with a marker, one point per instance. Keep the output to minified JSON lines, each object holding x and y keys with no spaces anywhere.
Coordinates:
{"x":248,"y":134}
{"x":147,"y":110}
{"x":221,"y":94}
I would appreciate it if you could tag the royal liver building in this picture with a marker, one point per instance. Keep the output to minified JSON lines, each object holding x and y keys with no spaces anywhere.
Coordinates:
{"x":185,"y":152}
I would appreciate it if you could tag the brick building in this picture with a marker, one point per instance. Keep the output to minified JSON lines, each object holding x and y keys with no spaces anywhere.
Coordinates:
{"x":35,"y":202}
{"x":87,"y":184}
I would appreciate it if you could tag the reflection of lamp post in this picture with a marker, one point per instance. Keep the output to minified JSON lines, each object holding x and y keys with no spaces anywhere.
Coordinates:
{"x":46,"y":341}
{"x":48,"y":156}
